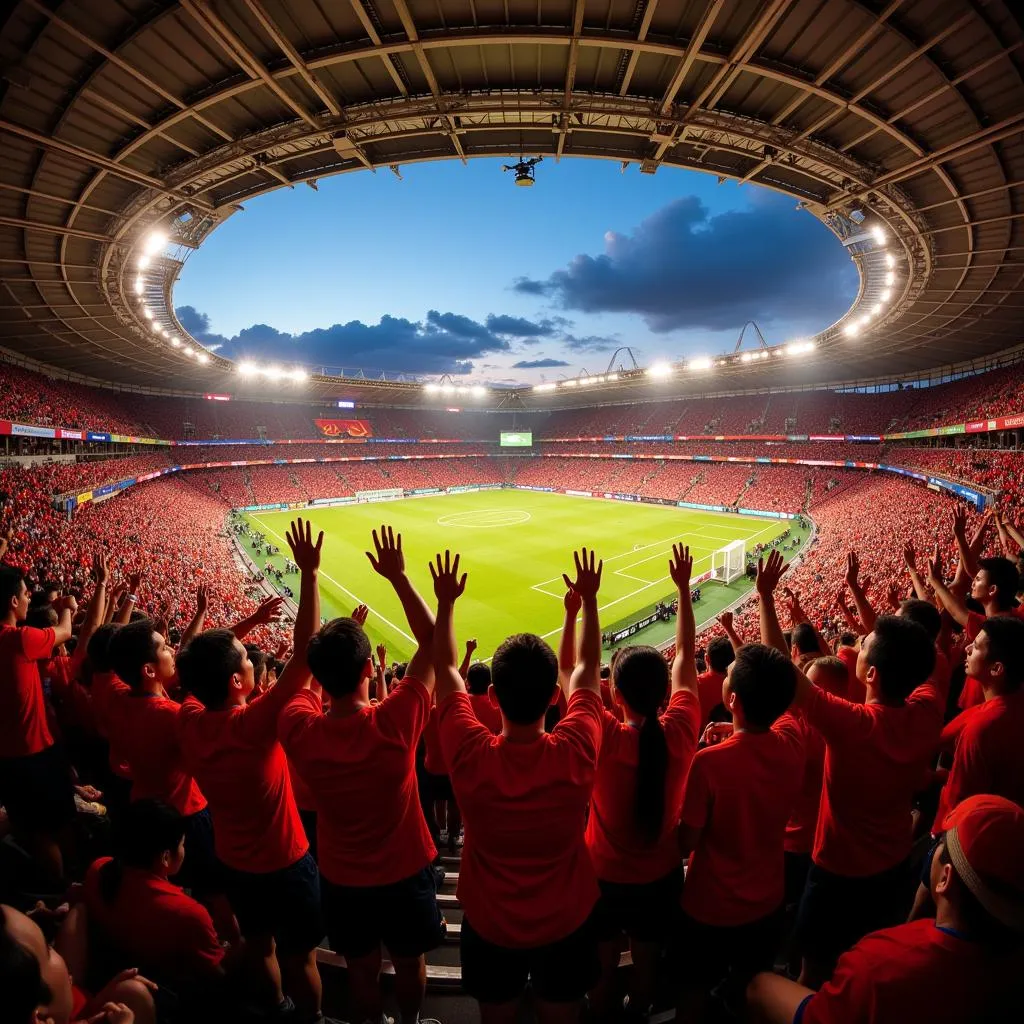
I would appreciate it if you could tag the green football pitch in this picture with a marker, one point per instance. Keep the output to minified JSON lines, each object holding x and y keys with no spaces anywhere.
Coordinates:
{"x":515,"y":546}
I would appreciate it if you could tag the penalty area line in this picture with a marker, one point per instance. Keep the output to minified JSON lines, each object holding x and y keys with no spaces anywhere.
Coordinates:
{"x":342,"y":587}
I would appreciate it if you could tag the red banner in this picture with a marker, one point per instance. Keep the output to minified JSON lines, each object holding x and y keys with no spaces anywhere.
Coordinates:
{"x":339,"y":428}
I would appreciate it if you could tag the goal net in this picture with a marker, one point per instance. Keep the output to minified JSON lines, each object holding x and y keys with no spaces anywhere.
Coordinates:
{"x":729,"y":563}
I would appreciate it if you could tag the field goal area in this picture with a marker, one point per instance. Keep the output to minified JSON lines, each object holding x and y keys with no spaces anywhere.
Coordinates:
{"x":729,"y":563}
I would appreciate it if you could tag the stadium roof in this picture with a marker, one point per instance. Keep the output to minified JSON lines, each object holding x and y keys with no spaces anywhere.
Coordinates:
{"x":119,"y":118}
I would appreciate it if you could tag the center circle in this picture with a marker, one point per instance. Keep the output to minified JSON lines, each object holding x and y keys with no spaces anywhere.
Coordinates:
{"x":485,"y":519}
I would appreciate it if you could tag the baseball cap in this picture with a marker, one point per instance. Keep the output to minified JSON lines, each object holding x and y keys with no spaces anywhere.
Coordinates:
{"x":985,"y":838}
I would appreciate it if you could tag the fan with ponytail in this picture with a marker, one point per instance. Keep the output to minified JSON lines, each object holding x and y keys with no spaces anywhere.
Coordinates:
{"x":641,"y":677}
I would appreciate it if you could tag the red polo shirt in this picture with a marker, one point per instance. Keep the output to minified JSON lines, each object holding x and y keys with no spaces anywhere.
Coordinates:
{"x":526,"y":878}
{"x":23,"y":727}
{"x":618,"y":851}
{"x":740,"y":793}
{"x":361,"y":772}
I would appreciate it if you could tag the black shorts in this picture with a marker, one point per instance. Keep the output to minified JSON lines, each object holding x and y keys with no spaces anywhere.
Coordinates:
{"x":37,"y":790}
{"x":201,"y":871}
{"x":308,"y":819}
{"x":285,"y":904}
{"x":647,"y":913}
{"x":559,"y":972}
{"x":437,"y":787}
{"x":797,"y":867}
{"x":706,"y":954}
{"x":404,"y":916}
{"x":837,"y":911}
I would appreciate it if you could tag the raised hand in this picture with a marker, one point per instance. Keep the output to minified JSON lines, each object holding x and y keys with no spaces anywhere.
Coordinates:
{"x":769,"y":573}
{"x":572,"y":601}
{"x":100,"y":571}
{"x":268,"y":609}
{"x":470,"y":648}
{"x":359,"y":613}
{"x":935,"y":566}
{"x":909,"y":555}
{"x":447,"y":585}
{"x":894,"y":597}
{"x":680,"y":566}
{"x":305,"y":554}
{"x":202,"y":599}
{"x":382,"y":656}
{"x":725,"y":621}
{"x":588,"y":578}
{"x":134,"y":580}
{"x":852,"y":570}
{"x":113,"y":1013}
{"x":66,"y":603}
{"x":959,"y":521}
{"x":389,"y":561}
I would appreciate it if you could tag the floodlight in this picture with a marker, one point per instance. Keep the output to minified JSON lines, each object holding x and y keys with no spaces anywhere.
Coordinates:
{"x":890,"y":260}
{"x":143,"y":262}
{"x":890,"y":278}
{"x":447,"y":389}
{"x":764,"y":353}
{"x":154,"y":242}
{"x":660,"y":370}
{"x":612,"y":376}
{"x":203,"y":357}
{"x":248,"y":369}
{"x":851,"y":330}
{"x":176,"y":342}
{"x":878,"y":309}
{"x":147,"y":312}
{"x":746,"y":357}
{"x":298,"y":374}
{"x":432,"y":389}
{"x":878,"y":234}
{"x":479,"y":391}
{"x":272,"y":372}
{"x":138,"y":286}
{"x":886,"y":295}
{"x":702,"y":363}
{"x":189,"y":352}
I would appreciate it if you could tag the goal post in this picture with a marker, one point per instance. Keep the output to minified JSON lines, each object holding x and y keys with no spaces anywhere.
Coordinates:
{"x":729,"y":563}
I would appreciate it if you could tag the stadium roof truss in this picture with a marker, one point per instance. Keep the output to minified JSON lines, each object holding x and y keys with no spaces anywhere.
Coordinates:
{"x":129,"y":115}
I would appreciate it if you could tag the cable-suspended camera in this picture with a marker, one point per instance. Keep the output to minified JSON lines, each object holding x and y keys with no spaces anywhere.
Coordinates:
{"x":524,"y":171}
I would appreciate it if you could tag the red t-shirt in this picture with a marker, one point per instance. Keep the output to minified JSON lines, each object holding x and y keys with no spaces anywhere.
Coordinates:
{"x":433,"y":760}
{"x":988,"y":757}
{"x":804,"y":819}
{"x":361,"y":770}
{"x":488,"y":714}
{"x":144,"y":730}
{"x":23,"y":727}
{"x":855,"y":691}
{"x":875,"y":761}
{"x":240,"y":766}
{"x":973,"y":692}
{"x":155,"y":923}
{"x":917,"y":972}
{"x":104,"y":688}
{"x":618,"y":852}
{"x":740,"y":793}
{"x":526,"y":879}
{"x":709,"y":687}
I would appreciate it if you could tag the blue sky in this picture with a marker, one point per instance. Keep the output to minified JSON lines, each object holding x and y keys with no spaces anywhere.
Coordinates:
{"x":454,"y":269}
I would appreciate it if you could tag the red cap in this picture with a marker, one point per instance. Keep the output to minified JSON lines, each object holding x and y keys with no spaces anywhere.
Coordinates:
{"x":985,"y":838}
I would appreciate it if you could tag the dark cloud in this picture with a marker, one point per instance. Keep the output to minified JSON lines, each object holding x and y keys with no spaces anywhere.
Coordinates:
{"x":538,"y":364}
{"x":685,"y":268}
{"x":518,"y":327}
{"x":590,"y":343}
{"x":442,"y":343}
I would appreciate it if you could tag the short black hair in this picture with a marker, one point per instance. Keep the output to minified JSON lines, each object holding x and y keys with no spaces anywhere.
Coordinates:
{"x":903,"y":655}
{"x":524,"y":673}
{"x":260,"y":661}
{"x":98,"y":648}
{"x":207,"y":663}
{"x":805,"y":638}
{"x":478,"y":678}
{"x":43,"y":616}
{"x":11,"y":579}
{"x":720,"y":654}
{"x":142,"y":831}
{"x":131,"y":647}
{"x":764,"y":681}
{"x":1006,"y":645}
{"x":1003,"y":575}
{"x":337,"y":656}
{"x":924,"y":613}
{"x":847,"y":639}
{"x":21,"y":977}
{"x":400,"y":670}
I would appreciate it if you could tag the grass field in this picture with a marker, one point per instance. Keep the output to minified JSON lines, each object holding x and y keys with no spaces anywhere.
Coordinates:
{"x":515,"y":546}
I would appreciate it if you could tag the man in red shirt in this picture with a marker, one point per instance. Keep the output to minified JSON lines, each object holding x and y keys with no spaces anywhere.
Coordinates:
{"x":709,"y":684}
{"x":526,"y":884}
{"x":739,"y":796}
{"x":230,"y":747}
{"x":962,"y":965}
{"x":876,"y":757}
{"x":359,"y":762}
{"x":35,"y":777}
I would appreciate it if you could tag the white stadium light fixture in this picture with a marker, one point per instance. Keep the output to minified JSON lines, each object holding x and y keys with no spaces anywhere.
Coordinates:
{"x":878,"y":308}
{"x":154,"y":242}
{"x":176,"y":342}
{"x":479,"y":391}
{"x":247,"y":369}
{"x":764,"y":353}
{"x":886,"y":295}
{"x":143,"y":262}
{"x":746,"y":357}
{"x":702,"y":363}
{"x":612,"y":376}
{"x":890,"y":278}
{"x":890,"y":260}
{"x":447,"y":389}
{"x":878,"y":234}
{"x":298,"y":374}
{"x":432,"y":389}
{"x":147,"y":312}
{"x":273,"y":372}
{"x":851,"y":330}
{"x":189,"y":352}
{"x":569,"y":383}
{"x":138,"y":286}
{"x":660,"y":370}
{"x":203,"y":357}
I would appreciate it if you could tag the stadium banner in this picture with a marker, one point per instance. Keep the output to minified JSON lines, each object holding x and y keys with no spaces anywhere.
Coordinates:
{"x":92,"y":435}
{"x":706,"y":508}
{"x":516,"y":439}
{"x":633,"y":627}
{"x":424,"y":490}
{"x":530,"y":487}
{"x":339,"y":428}
{"x":379,"y":494}
{"x":621,"y":497}
{"x":24,"y":430}
{"x":581,"y":494}
{"x":765,"y":514}
{"x":69,"y":435}
{"x":649,"y":437}
{"x":328,"y":502}
{"x":655,"y":501}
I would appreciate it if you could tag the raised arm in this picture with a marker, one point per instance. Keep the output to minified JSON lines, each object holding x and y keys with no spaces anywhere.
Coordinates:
{"x":768,"y":575}
{"x":97,"y":604}
{"x":65,"y":607}
{"x":388,"y":561}
{"x":467,"y":658}
{"x":910,"y":561}
{"x":860,"y":598}
{"x":306,"y":555}
{"x":968,"y":551}
{"x":567,"y":641}
{"x":1013,"y":531}
{"x":124,"y":613}
{"x":726,"y":620}
{"x":1009,"y":546}
{"x":851,"y":620}
{"x":587,"y":673}
{"x":267,"y":611}
{"x":448,"y":588}
{"x":684,"y":664}
{"x":952,"y":602}
{"x":382,"y":660}
{"x":797,"y":616}
{"x":195,"y":627}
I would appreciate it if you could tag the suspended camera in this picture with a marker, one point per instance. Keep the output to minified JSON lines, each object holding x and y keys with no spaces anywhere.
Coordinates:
{"x":524,"y":171}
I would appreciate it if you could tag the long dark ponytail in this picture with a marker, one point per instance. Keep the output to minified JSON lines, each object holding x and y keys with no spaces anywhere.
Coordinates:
{"x":641,"y":675}
{"x":143,"y":830}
